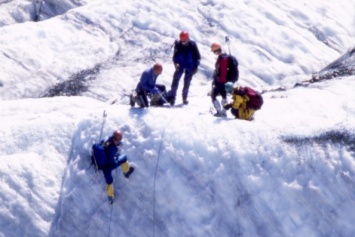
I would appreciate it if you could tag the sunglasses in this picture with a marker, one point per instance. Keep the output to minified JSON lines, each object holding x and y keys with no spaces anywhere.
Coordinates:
{"x":215,"y":51}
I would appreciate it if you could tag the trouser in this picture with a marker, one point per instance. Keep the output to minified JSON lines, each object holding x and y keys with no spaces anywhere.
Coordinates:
{"x":121,"y":161}
{"x":142,"y":95}
{"x":218,"y":89}
{"x":161,"y":88}
{"x":187,"y":81}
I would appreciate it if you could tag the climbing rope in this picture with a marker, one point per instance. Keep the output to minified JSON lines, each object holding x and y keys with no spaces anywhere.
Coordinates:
{"x":156,"y":170}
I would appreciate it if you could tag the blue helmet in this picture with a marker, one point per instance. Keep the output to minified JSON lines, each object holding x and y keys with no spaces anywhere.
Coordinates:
{"x":228,"y":87}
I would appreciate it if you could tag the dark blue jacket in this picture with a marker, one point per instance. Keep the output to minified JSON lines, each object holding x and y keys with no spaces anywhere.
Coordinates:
{"x":111,"y":151}
{"x":187,"y":56}
{"x":147,"y":81}
{"x":113,"y":154}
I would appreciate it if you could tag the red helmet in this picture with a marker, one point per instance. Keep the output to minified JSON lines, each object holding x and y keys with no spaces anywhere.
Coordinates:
{"x":215,"y":46}
{"x":117,"y":135}
{"x":184,"y":35}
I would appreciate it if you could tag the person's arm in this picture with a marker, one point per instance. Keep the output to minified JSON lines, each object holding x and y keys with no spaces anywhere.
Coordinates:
{"x":196,"y":55}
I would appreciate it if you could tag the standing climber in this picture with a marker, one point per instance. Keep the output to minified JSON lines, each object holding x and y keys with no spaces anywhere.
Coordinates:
{"x":219,"y":79}
{"x":186,"y":60}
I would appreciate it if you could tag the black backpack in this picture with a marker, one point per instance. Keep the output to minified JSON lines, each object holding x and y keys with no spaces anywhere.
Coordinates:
{"x":233,"y":72}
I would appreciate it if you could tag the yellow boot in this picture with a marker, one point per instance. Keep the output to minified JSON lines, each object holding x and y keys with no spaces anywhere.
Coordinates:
{"x":127,"y":170}
{"x":110,"y":193}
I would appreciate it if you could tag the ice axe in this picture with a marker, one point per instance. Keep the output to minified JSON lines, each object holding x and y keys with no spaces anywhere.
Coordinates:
{"x":228,"y":42}
{"x":162,"y":96}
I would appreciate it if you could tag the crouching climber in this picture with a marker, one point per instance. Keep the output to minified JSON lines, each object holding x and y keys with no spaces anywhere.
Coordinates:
{"x":147,"y":87}
{"x":245,"y":101}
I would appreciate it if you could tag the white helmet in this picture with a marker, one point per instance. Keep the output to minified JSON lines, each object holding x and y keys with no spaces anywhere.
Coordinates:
{"x":228,"y":87}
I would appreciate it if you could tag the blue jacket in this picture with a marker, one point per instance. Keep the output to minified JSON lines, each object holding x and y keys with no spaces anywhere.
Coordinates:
{"x":187,"y":56}
{"x":147,"y":81}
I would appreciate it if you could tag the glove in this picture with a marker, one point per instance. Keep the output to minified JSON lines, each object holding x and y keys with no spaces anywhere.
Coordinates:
{"x":155,"y":90}
{"x":177,"y":66}
{"x":227,"y":106}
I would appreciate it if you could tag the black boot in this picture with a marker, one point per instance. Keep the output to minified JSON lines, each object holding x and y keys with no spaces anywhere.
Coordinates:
{"x":172,"y":100}
{"x":130,"y":171}
{"x":131,"y":100}
{"x":185,"y":101}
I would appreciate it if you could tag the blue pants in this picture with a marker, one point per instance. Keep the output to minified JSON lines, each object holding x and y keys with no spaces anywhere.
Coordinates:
{"x":108,"y":170}
{"x":187,"y":80}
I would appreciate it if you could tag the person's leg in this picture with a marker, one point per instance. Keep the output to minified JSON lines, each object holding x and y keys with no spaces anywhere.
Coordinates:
{"x":107,"y":175}
{"x":218,"y":108}
{"x":161,"y":98}
{"x":187,"y":82}
{"x":161,"y":88}
{"x":176,"y":78}
{"x":175,"y":85}
{"x":126,"y":168}
{"x":214,"y":93}
{"x":142,"y":95}
{"x":109,"y":184}
{"x":224,"y":99}
{"x":223,"y":111}
{"x":217,"y":88}
{"x":156,"y":99}
{"x":132,"y":98}
{"x":215,"y":102}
